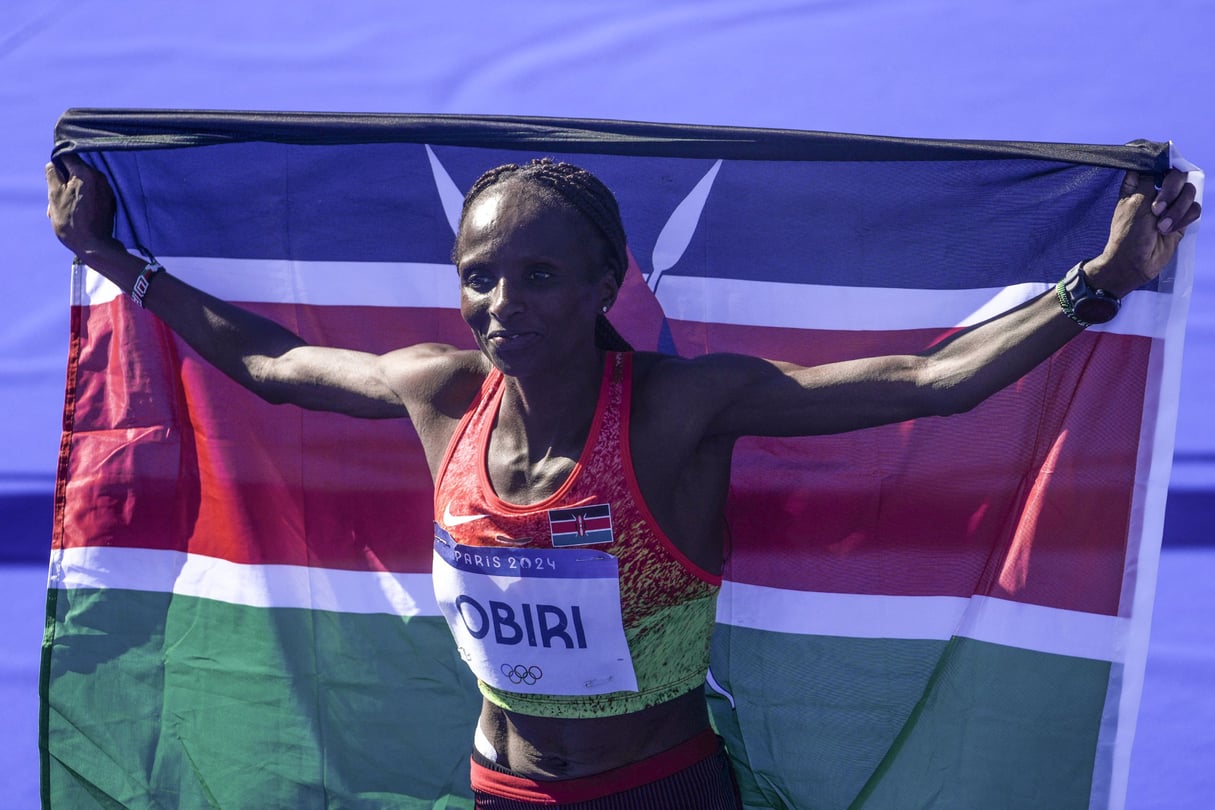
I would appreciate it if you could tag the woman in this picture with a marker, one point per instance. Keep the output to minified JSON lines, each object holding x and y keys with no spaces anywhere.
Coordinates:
{"x":596,"y":478}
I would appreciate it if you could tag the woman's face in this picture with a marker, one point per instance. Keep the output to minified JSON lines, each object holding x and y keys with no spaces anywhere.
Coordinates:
{"x":532,"y":279}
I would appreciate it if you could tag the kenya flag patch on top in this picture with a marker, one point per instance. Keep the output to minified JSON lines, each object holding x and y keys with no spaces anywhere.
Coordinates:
{"x":581,"y":525}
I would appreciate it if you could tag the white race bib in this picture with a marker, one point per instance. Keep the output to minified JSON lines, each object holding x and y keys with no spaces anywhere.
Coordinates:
{"x":538,"y":621}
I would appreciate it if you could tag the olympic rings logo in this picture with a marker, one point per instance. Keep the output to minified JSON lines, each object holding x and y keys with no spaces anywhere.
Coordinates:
{"x":519,"y":674}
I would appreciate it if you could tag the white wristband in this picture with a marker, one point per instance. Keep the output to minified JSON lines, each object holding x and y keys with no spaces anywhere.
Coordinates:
{"x":140,"y":289}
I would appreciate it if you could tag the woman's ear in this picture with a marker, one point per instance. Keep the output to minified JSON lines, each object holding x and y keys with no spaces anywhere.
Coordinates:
{"x":609,"y":294}
{"x":609,"y":289}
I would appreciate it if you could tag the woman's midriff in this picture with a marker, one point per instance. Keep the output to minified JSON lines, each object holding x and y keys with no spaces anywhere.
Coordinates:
{"x":559,"y":748}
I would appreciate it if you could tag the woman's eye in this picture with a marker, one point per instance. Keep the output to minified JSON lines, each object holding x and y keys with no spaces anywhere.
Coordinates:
{"x":478,"y":282}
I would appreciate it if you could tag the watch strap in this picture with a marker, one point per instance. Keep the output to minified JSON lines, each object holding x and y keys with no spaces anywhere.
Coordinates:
{"x":1076,"y":298}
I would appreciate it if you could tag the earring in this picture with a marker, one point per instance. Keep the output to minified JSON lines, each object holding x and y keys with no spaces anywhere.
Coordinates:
{"x":604,"y":309}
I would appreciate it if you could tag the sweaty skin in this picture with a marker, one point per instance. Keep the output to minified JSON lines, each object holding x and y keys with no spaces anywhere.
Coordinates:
{"x":532,"y":283}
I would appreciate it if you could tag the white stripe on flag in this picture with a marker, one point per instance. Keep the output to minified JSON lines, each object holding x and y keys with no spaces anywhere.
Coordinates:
{"x":282,"y":281}
{"x":1032,"y":627}
{"x":265,"y":586}
{"x":999,"y":621}
{"x":811,"y":306}
{"x":708,"y":300}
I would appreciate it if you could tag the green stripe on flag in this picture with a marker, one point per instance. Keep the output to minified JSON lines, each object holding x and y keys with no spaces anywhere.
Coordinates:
{"x":881,"y":723}
{"x":158,"y":697}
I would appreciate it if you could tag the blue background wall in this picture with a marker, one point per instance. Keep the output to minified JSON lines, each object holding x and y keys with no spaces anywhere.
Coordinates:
{"x":1050,"y":70}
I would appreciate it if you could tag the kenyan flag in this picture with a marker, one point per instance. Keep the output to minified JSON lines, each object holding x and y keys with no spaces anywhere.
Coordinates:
{"x":581,"y":526}
{"x":951,"y":612}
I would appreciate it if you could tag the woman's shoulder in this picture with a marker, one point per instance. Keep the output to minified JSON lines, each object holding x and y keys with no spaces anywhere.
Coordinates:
{"x":658,"y":369}
{"x":437,"y":376}
{"x":678,"y":392}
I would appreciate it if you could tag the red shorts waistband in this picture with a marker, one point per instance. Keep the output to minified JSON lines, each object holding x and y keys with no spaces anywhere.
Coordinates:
{"x":487,"y":779}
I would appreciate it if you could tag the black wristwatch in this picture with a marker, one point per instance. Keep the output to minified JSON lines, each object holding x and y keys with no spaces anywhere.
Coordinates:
{"x":1084,"y":304}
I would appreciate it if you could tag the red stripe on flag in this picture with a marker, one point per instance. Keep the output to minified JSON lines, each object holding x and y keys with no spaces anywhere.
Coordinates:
{"x":166,"y":453}
{"x":590,"y":524}
{"x":949,"y":506}
{"x":174,"y":457}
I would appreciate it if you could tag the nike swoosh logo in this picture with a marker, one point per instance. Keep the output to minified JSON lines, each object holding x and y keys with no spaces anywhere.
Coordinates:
{"x":458,"y":520}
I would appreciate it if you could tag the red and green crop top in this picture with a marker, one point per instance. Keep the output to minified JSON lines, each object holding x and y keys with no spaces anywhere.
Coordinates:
{"x":577,"y":605}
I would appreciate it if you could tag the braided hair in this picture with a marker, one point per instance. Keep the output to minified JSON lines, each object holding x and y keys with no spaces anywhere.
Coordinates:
{"x":582,"y":191}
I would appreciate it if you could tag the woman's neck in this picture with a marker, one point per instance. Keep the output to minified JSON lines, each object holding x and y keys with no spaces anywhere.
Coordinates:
{"x":551,"y":415}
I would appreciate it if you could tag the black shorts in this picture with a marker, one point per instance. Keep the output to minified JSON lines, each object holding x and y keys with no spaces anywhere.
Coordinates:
{"x":695,"y":775}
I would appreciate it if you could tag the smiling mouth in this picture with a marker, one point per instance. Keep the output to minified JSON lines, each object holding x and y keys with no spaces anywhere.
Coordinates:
{"x":502,"y":337}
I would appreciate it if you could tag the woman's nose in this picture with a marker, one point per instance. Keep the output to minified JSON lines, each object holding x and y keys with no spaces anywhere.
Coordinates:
{"x":504,"y":299}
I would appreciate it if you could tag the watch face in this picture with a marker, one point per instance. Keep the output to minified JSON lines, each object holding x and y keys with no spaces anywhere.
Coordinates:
{"x":1096,"y":309}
